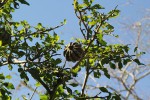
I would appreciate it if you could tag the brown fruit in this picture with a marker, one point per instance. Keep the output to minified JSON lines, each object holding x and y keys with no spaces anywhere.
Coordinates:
{"x":5,"y":37}
{"x":73,"y":51}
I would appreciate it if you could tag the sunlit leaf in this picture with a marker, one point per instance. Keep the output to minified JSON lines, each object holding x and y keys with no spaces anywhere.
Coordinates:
{"x":43,"y":97}
{"x":0,"y":42}
{"x":8,"y":76}
{"x":114,"y":13}
{"x":38,"y":84}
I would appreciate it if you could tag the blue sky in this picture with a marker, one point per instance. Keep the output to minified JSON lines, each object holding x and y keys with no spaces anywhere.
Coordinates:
{"x":51,"y":12}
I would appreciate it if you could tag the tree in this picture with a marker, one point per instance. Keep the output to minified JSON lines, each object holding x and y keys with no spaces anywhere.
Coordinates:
{"x":132,"y":74}
{"x":34,"y":51}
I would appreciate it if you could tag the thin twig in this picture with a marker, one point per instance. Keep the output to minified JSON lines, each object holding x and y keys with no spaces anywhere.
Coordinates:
{"x":33,"y":93}
{"x":144,"y":75}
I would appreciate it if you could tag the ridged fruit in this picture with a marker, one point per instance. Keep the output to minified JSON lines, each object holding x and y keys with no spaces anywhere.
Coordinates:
{"x":73,"y":51}
{"x":5,"y":37}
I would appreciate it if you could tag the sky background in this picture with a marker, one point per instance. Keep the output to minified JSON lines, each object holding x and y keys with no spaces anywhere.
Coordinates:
{"x":51,"y":12}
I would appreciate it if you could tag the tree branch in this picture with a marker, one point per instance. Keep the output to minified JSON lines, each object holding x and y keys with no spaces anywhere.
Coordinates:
{"x":144,"y":75}
{"x":85,"y":81}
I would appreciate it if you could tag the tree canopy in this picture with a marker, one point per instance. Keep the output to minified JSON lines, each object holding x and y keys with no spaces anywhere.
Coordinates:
{"x":36,"y":50}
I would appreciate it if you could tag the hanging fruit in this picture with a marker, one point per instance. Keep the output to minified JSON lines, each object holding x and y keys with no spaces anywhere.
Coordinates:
{"x":5,"y":37}
{"x":73,"y":51}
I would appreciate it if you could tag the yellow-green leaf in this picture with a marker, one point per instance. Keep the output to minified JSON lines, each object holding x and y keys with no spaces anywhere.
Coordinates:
{"x":8,"y":76}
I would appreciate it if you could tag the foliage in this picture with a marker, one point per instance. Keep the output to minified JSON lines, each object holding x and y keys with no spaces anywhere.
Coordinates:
{"x":42,"y":60}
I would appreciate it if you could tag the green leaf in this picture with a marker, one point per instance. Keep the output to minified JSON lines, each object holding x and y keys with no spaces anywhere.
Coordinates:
{"x":75,"y":70}
{"x":60,"y":89}
{"x":135,"y":49}
{"x":2,"y":76}
{"x":85,"y":18}
{"x":74,"y":84}
{"x":91,"y":62}
{"x":114,"y":13}
{"x":56,"y":36}
{"x":8,"y":76}
{"x":38,"y":84}
{"x":97,"y":74}
{"x":110,"y":27}
{"x":24,"y":2}
{"x":57,"y":61}
{"x":0,"y":42}
{"x":69,"y":90}
{"x":112,"y":65}
{"x":126,"y":48}
{"x":116,"y":97}
{"x":103,"y":89}
{"x":138,"y":62}
{"x":120,"y":65}
{"x":106,"y":72}
{"x":100,"y":39}
{"x":9,"y":85}
{"x":20,"y":69}
{"x":107,"y":75}
{"x":86,"y":1}
{"x":65,"y":21}
{"x":43,"y":97}
{"x":39,"y":26}
{"x":92,"y":23}
{"x":21,"y":53}
{"x":24,"y":76}
{"x":16,"y":5}
{"x":125,"y":61}
{"x":97,"y":6}
{"x":16,"y":24}
{"x":77,"y":92}
{"x":10,"y":66}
